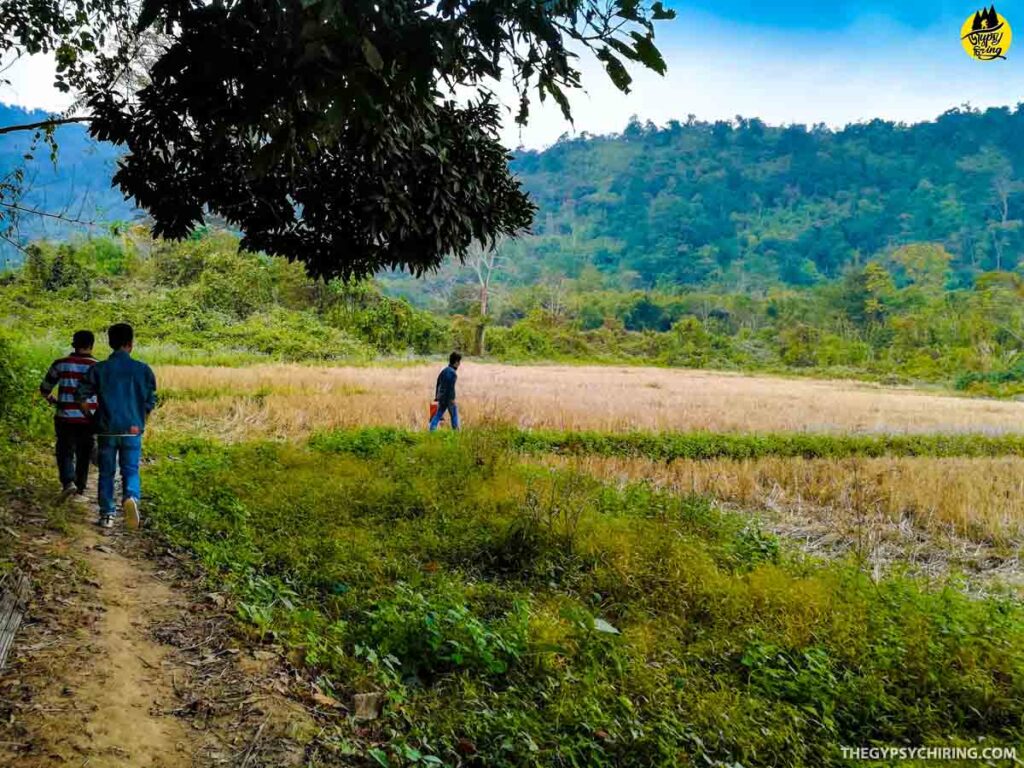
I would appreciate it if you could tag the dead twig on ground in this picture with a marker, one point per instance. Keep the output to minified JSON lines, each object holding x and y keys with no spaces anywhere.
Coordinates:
{"x":255,"y":741}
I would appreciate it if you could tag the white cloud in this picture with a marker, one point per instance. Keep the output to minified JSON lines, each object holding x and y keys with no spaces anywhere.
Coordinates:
{"x":31,"y":85}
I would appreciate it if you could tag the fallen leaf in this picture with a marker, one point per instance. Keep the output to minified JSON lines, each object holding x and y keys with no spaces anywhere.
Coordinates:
{"x":326,"y":701}
{"x":603,"y":626}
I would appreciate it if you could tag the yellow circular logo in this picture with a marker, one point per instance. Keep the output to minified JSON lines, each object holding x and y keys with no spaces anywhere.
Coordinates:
{"x":986,"y":35}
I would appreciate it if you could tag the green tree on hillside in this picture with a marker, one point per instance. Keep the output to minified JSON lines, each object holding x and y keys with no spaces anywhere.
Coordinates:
{"x":999,"y":187}
{"x":926,"y":265}
{"x":743,"y":205}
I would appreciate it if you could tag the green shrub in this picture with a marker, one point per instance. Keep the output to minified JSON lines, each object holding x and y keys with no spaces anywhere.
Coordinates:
{"x":204,"y":300}
{"x":432,"y":634}
{"x":524,"y":340}
{"x":1010,"y":380}
{"x":389,"y":325}
{"x":10,"y":381}
{"x":369,"y":442}
{"x":54,"y":268}
{"x":24,"y":421}
{"x":23,"y":414}
{"x":295,"y":336}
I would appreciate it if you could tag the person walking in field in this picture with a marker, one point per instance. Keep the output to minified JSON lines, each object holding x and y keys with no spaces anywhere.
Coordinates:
{"x":444,"y":393}
{"x":126,"y":392}
{"x":73,"y":421}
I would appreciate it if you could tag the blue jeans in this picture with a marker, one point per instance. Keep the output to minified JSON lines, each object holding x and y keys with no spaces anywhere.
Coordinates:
{"x":452,"y":409}
{"x":124,"y":451}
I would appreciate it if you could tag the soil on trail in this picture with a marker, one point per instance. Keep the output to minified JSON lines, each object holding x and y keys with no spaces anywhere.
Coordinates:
{"x":117,"y":665}
{"x":110,"y":691}
{"x":128,"y":686}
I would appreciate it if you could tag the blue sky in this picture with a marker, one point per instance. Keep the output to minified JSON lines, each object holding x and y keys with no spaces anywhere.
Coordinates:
{"x":805,"y":14}
{"x":802,"y":61}
{"x":788,"y":61}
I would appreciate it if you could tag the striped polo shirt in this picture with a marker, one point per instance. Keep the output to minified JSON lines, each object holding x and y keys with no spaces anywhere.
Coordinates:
{"x":66,"y":374}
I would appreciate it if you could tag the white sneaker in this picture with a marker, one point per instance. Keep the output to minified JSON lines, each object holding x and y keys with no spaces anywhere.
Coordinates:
{"x":130,"y":509}
{"x":105,"y":521}
{"x":69,"y":491}
{"x":80,"y":498}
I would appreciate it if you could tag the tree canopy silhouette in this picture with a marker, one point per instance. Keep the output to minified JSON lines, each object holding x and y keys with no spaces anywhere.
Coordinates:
{"x":352,"y":136}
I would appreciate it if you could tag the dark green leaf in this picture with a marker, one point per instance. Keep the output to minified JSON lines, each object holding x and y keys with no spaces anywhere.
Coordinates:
{"x":372,"y":55}
{"x":148,"y":14}
{"x":647,"y":54}
{"x":660,"y":13}
{"x":616,"y":70}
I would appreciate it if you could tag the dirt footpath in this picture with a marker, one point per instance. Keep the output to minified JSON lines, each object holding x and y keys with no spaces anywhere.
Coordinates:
{"x":128,"y":684}
{"x":119,"y":665}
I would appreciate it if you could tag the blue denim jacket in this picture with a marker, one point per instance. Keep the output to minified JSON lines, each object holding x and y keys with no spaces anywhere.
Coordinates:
{"x":126,"y":390}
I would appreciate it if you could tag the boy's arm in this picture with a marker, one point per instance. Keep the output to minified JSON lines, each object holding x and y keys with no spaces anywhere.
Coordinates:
{"x":49,"y":381}
{"x":150,"y":390}
{"x":88,"y":387}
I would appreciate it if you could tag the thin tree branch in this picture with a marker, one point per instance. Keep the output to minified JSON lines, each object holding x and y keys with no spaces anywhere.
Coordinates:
{"x":14,"y":60}
{"x":46,"y":214}
{"x":45,"y":124}
{"x":13,"y":243}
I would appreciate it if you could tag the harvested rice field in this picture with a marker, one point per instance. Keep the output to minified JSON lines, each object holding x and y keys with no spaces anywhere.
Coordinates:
{"x":286,"y":401}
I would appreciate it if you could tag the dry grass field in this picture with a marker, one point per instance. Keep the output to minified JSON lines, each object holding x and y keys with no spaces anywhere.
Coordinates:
{"x":931,"y":506}
{"x":977,"y":499}
{"x":293,"y":400}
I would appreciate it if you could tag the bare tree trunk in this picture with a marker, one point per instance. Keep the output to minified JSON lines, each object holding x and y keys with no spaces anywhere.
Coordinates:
{"x":997,"y":242}
{"x":484,"y":262}
{"x":481,"y":328}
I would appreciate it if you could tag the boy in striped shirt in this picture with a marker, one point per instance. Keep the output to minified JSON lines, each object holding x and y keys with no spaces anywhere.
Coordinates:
{"x":73,"y":421}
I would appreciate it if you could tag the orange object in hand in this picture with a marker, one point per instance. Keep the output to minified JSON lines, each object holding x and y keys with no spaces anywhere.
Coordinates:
{"x":433,"y":409}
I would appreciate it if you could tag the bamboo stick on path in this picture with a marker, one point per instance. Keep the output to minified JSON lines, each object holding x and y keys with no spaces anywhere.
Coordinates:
{"x":13,"y":600}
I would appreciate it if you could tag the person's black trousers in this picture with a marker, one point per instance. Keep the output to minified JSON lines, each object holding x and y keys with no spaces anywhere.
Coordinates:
{"x":74,"y":449}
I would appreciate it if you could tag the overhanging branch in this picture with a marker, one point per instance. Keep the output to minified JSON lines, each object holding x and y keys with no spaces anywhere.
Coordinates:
{"x":45,"y":124}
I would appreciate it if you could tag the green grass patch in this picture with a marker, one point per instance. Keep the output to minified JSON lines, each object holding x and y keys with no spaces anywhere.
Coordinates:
{"x":692,"y":445}
{"x":520,"y":616}
{"x":26,"y":426}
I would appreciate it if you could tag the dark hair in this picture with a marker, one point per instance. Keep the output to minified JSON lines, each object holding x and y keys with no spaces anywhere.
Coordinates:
{"x":120,"y":335}
{"x":83,"y":340}
{"x":453,"y":358}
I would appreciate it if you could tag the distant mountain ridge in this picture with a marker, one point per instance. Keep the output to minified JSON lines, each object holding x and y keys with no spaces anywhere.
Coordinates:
{"x":78,"y":187}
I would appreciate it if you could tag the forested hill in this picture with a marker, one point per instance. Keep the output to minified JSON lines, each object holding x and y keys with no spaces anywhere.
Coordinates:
{"x":743,"y":204}
{"x":737,"y":204}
